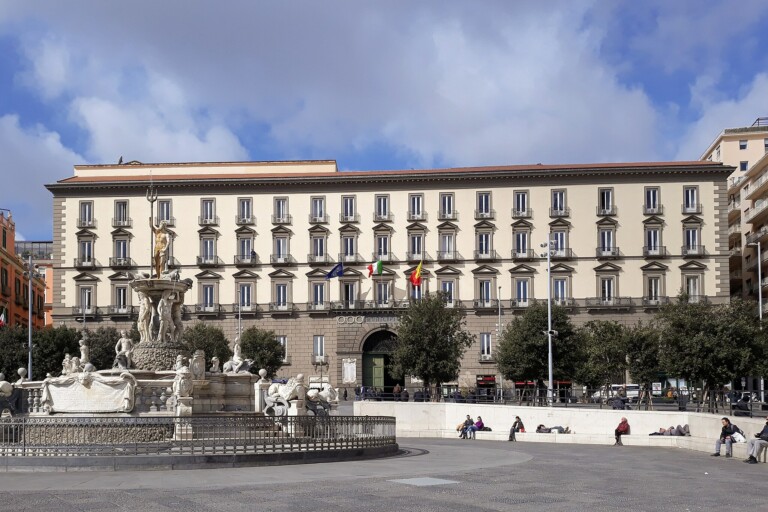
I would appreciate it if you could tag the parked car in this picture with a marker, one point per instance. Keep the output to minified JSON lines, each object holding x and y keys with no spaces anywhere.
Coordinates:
{"x":604,"y":394}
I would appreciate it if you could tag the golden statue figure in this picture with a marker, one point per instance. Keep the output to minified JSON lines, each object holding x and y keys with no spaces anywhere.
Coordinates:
{"x":162,"y":241}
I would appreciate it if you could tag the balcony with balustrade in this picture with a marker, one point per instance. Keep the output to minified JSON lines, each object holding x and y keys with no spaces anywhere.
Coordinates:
{"x":485,"y":214}
{"x":561,"y":254}
{"x":606,"y":211}
{"x":654,"y":301}
{"x":654,"y":251}
{"x":350,"y":258}
{"x":759,"y":235}
{"x":349,"y":218}
{"x":758,"y":213}
{"x":383,"y":217}
{"x":121,"y":263}
{"x":86,"y":222}
{"x":485,"y":304}
{"x":282,"y":308}
{"x":245,"y":220}
{"x":417,"y":216}
{"x":557,"y":213}
{"x":415,"y":257}
{"x":246,"y":260}
{"x":117,"y":311}
{"x":693,"y":251}
{"x":523,"y":255}
{"x":209,"y":261}
{"x":206,"y":220}
{"x":486,"y":255}
{"x":522,"y":213}
{"x":385,"y":257}
{"x":607,"y":253}
{"x":447,"y":256}
{"x":653,"y":209}
{"x":757,"y":187}
{"x":690,"y":209}
{"x":281,"y":259}
{"x":322,"y":307}
{"x":85,"y":263}
{"x":319,"y":259}
{"x":208,"y":310}
{"x":248,"y":310}
{"x":282,"y":219}
{"x":616,"y":303}
{"x":448,"y":215}
{"x":318,"y":218}
{"x":85,"y":311}
{"x":122,"y":222}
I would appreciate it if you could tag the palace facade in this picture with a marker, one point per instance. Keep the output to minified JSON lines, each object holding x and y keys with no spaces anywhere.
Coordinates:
{"x":259,"y":238}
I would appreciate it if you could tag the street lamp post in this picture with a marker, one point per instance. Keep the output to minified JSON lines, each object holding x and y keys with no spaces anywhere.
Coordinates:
{"x":759,"y":281}
{"x":31,"y":275}
{"x":498,"y":342}
{"x":550,"y":332}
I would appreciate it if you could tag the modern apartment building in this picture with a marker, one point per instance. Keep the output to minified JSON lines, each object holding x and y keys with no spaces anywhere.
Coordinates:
{"x":15,"y":301}
{"x":745,"y":149}
{"x":259,"y":238}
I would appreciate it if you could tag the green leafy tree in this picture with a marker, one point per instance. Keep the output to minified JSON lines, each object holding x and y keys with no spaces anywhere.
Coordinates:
{"x":431,"y":340}
{"x":208,"y":338}
{"x":522,"y":353}
{"x":605,"y":353}
{"x":13,"y":350}
{"x":711,"y":343}
{"x":264,"y":349}
{"x":48,"y":348}
{"x":643,"y":354}
{"x":102,"y":343}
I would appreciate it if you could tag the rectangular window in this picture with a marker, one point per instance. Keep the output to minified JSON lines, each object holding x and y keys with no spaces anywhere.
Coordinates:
{"x":318,"y":247}
{"x":348,"y":246}
{"x":416,"y":245}
{"x":691,"y":236}
{"x":606,"y":240}
{"x":447,"y":288}
{"x":558,"y":201}
{"x":606,"y":289}
{"x":86,"y":299}
{"x":652,"y":240}
{"x":164,"y":211}
{"x":382,"y":246}
{"x":605,"y":201}
{"x":121,"y":213}
{"x":560,"y":289}
{"x":484,"y":204}
{"x":318,"y":294}
{"x":521,"y":243}
{"x":281,"y":295}
{"x":416,"y":206}
{"x":485,"y":292}
{"x":245,"y":249}
{"x":484,"y":244}
{"x":382,"y":293}
{"x":521,"y":204}
{"x":652,"y":200}
{"x":244,"y":210}
{"x":283,"y":341}
{"x":208,"y":212}
{"x":348,"y":209}
{"x":349,"y":292}
{"x":86,"y":213}
{"x":558,"y":243}
{"x":86,"y":251}
{"x":318,"y":209}
{"x":245,"y":295}
{"x":446,"y":206}
{"x":485,"y":344}
{"x":743,"y":165}
{"x":382,"y":207}
{"x":121,"y":250}
{"x":742,"y":144}
{"x":416,"y":292}
{"x":281,"y":209}
{"x":208,"y":252}
{"x":653,"y":289}
{"x":690,"y":199}
{"x":318,"y":345}
{"x":121,"y":298}
{"x":521,"y":292}
{"x":447,"y":243}
{"x":209,"y":300}
{"x":281,"y":248}
{"x":692,"y":288}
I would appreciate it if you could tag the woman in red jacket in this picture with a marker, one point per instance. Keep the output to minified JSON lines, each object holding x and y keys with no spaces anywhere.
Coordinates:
{"x":621,"y":430}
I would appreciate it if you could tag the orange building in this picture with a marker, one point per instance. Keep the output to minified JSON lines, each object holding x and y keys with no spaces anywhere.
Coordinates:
{"x":15,"y":301}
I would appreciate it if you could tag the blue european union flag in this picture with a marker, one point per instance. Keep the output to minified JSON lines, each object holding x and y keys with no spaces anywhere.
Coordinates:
{"x":336,"y":271}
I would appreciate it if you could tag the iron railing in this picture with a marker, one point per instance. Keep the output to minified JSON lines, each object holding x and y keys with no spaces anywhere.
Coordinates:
{"x":195,"y":435}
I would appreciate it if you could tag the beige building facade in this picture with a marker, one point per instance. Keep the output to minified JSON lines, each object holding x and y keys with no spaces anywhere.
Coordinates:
{"x":258,"y":239}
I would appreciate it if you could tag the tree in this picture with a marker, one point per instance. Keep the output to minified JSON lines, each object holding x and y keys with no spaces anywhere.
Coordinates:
{"x":711,"y":343}
{"x":263,"y":347}
{"x":208,"y":338}
{"x":605,"y":353}
{"x":643,"y":354}
{"x":431,"y":340}
{"x":522,"y":353}
{"x":13,"y":350}
{"x":48,"y":348}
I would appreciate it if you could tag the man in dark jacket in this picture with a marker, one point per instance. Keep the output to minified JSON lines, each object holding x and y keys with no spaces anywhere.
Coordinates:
{"x":726,"y":436}
{"x":755,"y":446}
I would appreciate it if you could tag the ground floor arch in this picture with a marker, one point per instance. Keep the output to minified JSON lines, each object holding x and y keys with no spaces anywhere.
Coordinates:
{"x":377,"y":349}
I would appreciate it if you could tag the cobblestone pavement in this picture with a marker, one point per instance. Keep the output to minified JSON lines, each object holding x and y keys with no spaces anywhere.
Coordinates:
{"x":432,"y":475}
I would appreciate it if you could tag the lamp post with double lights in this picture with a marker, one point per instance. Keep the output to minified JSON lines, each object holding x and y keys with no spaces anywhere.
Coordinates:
{"x":550,"y":332}
{"x":498,"y":343}
{"x":31,"y":274}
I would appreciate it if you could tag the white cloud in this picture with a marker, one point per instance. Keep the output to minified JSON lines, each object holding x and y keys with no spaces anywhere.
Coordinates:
{"x":31,"y":158}
{"x":718,"y":113}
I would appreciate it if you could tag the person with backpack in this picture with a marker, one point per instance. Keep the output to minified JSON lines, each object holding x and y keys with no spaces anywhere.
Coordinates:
{"x":727,"y":437}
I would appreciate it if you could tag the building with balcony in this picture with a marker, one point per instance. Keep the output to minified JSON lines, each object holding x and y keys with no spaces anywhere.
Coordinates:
{"x":15,"y":300}
{"x":259,"y":238}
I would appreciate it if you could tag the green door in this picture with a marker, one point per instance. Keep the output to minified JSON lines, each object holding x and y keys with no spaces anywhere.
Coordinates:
{"x":373,"y":370}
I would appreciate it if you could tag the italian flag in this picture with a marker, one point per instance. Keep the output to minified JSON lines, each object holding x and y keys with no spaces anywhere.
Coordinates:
{"x":375,"y":268}
{"x":415,"y":277}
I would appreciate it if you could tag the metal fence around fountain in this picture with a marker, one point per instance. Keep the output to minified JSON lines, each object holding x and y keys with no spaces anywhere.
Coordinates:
{"x":196,"y":435}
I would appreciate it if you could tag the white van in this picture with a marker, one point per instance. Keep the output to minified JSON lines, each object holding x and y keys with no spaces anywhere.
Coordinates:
{"x":633,"y":392}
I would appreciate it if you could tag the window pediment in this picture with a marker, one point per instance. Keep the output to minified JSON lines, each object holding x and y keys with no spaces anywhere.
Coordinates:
{"x":350,"y":272}
{"x":607,"y":222}
{"x":120,"y":276}
{"x":85,"y":233}
{"x":424,"y":271}
{"x":245,"y":231}
{"x":654,"y":267}
{"x":560,"y":223}
{"x":85,"y":277}
{"x":382,"y":228}
{"x":561,"y":268}
{"x":208,"y":231}
{"x":416,"y":226}
{"x":607,"y":267}
{"x":281,"y":230}
{"x":281,"y":274}
{"x":447,"y":226}
{"x":316,"y":274}
{"x":207,"y":274}
{"x":246,"y":274}
{"x":485,"y":270}
{"x":485,"y":225}
{"x":522,"y":269}
{"x":653,"y":220}
{"x":522,"y":224}
{"x":448,"y":271}
{"x":318,"y":230}
{"x":693,"y":265}
{"x":693,"y":219}
{"x":349,"y":229}
{"x":121,"y":233}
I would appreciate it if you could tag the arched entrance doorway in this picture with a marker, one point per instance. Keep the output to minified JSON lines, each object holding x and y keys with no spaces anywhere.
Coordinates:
{"x":376,"y":353}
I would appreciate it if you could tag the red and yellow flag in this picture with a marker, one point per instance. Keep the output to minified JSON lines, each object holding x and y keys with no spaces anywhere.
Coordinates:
{"x":415,"y":277}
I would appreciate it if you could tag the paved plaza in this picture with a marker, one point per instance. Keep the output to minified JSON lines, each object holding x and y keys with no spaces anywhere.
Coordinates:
{"x":430,"y":475}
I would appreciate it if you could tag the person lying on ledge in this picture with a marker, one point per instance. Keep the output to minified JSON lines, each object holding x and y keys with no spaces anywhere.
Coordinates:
{"x":673,"y":431}
{"x":541,"y":429}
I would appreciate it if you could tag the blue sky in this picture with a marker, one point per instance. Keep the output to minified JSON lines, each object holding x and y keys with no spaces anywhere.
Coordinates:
{"x":373,"y":85}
